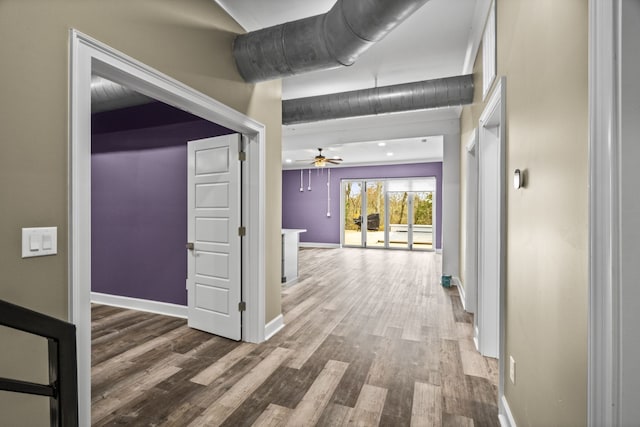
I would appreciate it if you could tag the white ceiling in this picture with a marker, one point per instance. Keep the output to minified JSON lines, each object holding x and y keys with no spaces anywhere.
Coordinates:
{"x":432,"y":43}
{"x":366,"y":153}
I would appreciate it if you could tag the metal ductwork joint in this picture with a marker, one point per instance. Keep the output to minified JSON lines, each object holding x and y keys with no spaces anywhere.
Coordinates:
{"x":320,"y":42}
{"x":446,"y":92}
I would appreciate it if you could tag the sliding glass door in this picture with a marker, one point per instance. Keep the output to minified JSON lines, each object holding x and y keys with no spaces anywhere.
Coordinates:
{"x":374,"y":236}
{"x":422,"y":230}
{"x":352,"y":213}
{"x":398,"y":221}
{"x":391,"y":213}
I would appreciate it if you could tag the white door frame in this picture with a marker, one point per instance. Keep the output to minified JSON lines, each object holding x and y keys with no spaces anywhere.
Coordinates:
{"x":603,"y":379}
{"x":470,"y":285}
{"x":88,"y":55}
{"x":492,"y":118}
{"x":494,"y":114}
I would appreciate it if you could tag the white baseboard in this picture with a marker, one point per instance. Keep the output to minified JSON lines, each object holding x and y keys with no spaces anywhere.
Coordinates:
{"x":461,"y":291}
{"x":476,"y":332}
{"x":505,"y":416}
{"x":318,"y":245}
{"x":273,"y":327}
{"x":164,"y":308}
{"x":290,"y":282}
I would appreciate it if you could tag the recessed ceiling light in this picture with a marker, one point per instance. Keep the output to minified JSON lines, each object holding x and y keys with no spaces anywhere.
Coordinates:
{"x":288,"y":161}
{"x":389,"y":153}
{"x":381,"y":144}
{"x":336,"y":157}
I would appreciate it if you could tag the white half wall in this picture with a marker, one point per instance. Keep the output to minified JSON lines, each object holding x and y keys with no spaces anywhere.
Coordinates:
{"x":451,"y":205}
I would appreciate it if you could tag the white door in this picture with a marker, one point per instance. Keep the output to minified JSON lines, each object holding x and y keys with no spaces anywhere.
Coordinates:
{"x":213,"y":268}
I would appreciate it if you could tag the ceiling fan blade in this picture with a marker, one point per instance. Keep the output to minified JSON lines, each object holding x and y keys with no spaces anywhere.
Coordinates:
{"x":333,"y":161}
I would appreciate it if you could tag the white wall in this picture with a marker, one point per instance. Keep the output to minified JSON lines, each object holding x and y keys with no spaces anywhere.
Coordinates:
{"x":630,"y":214}
{"x":451,"y":205}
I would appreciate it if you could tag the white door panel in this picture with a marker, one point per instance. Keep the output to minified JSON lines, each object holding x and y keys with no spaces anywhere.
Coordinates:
{"x":214,"y":279}
{"x":212,"y":195}
{"x":213,"y":230}
{"x":214,"y":160}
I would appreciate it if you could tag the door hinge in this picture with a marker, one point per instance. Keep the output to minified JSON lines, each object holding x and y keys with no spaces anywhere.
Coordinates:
{"x":242,"y":306}
{"x":242,"y":156}
{"x":242,"y":231}
{"x":190,"y":246}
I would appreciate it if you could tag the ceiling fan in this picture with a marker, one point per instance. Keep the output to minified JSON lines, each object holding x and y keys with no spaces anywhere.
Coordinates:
{"x":321,"y":161}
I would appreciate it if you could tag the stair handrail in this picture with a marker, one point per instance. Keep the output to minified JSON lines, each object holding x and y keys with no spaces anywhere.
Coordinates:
{"x":62,"y":389}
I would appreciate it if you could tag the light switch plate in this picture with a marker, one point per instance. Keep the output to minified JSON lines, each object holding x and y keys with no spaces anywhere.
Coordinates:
{"x":39,"y":241}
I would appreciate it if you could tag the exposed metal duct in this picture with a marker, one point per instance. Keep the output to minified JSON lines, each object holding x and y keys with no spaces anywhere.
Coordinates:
{"x":320,"y":42}
{"x":107,"y":95}
{"x":444,"y":92}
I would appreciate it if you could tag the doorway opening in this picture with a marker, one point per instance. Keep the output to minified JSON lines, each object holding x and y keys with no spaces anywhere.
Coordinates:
{"x":389,"y":213}
{"x":88,"y":56}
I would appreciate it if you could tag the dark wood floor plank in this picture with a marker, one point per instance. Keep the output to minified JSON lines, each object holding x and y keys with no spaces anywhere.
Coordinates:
{"x":370,"y":338}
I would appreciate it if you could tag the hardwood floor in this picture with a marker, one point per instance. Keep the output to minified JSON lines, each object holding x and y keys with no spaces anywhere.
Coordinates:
{"x":371,"y":338}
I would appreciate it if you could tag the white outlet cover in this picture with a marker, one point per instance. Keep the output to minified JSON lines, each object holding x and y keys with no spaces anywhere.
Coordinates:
{"x":39,"y":241}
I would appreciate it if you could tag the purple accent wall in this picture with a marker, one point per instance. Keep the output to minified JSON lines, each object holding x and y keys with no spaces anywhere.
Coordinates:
{"x":308,"y":209}
{"x":138,"y":206}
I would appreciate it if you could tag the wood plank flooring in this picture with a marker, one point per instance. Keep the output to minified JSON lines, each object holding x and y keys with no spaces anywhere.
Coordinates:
{"x":371,"y":338}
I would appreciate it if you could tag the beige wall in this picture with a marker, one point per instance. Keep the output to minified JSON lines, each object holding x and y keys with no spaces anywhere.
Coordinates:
{"x":542,"y":51}
{"x":189,"y":40}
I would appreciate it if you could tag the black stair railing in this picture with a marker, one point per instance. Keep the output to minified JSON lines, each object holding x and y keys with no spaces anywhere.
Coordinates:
{"x":62,"y":389}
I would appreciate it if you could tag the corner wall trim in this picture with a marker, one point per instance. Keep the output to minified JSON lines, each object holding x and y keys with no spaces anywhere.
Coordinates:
{"x":273,"y":327}
{"x":318,"y":245}
{"x":149,"y":306}
{"x":505,"y":416}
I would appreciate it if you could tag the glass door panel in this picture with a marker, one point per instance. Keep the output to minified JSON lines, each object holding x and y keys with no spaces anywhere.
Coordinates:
{"x":375,"y":214}
{"x":422,"y":230}
{"x":352,"y":213}
{"x":398,"y":219}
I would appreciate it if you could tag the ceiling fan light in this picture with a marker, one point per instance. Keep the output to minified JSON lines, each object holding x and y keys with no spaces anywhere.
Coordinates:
{"x":320,"y":163}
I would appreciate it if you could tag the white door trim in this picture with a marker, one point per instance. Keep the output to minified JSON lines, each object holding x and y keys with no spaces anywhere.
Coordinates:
{"x":495,"y":114}
{"x":470,"y":284}
{"x":88,"y":55}
{"x":604,"y":215}
{"x":491,"y":118}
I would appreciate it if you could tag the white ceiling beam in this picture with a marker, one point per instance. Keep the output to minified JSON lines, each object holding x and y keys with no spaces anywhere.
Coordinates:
{"x":412,"y":124}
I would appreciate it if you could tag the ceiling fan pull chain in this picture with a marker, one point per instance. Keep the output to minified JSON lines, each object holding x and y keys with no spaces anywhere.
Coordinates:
{"x":328,"y":192}
{"x":301,"y":181}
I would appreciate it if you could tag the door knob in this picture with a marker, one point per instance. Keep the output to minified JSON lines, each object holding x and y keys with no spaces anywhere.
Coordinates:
{"x":190,"y":246}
